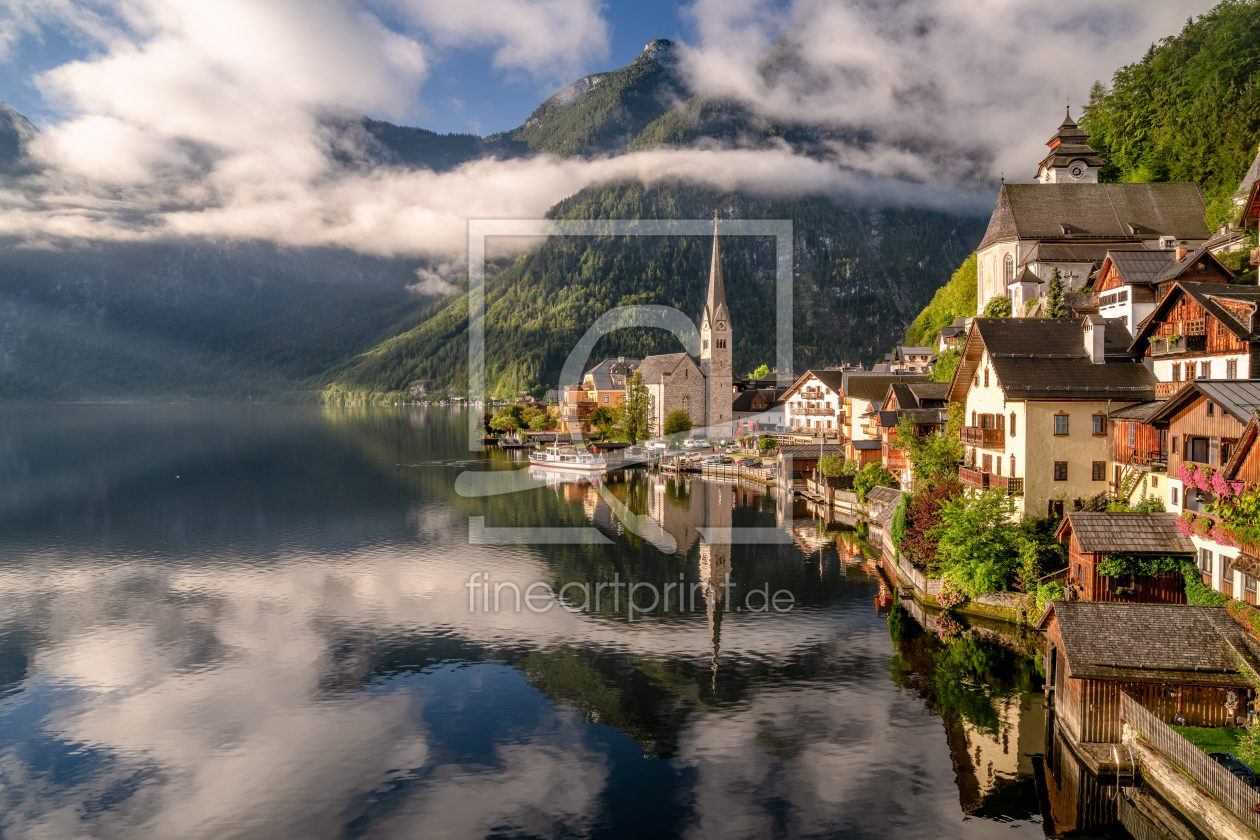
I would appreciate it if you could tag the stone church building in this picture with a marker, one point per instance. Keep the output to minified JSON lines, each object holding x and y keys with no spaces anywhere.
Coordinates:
{"x":704,"y":390}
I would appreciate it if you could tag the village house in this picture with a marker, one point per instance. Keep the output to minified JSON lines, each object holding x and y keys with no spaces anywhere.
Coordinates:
{"x":1204,"y":424}
{"x":757,"y":410}
{"x":863,"y":394}
{"x":952,"y":336}
{"x":1201,"y":331}
{"x":1036,"y":395}
{"x":1069,"y":221}
{"x":1131,"y":282}
{"x":602,"y":385}
{"x":1093,"y":536}
{"x":1179,"y":662}
{"x":925,"y":405}
{"x":814,"y":403}
{"x":1139,"y":454}
{"x":916,"y":359}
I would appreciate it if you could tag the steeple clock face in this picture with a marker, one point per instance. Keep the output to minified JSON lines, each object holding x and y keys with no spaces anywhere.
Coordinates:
{"x":721,"y":326}
{"x":1076,"y":171}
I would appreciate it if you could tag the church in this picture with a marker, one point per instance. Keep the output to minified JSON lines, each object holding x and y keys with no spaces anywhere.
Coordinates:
{"x":1069,"y":221}
{"x":703,"y":389}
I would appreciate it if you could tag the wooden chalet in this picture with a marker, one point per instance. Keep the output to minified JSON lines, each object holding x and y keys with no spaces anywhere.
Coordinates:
{"x":863,"y":451}
{"x":1092,"y":536}
{"x":1201,"y":331}
{"x":1137,"y":443}
{"x":925,"y":404}
{"x":803,"y":458}
{"x":1178,"y":661}
{"x":1130,"y":282}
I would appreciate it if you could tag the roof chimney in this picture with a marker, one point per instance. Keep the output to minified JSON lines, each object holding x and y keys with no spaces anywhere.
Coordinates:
{"x":1181,"y":252}
{"x":1096,"y":338}
{"x":1167,"y":243}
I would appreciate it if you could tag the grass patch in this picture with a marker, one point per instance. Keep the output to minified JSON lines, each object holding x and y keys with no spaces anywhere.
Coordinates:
{"x":1213,"y":739}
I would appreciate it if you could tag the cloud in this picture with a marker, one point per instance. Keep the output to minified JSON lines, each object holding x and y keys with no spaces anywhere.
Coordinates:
{"x":434,"y":281}
{"x":969,"y":89}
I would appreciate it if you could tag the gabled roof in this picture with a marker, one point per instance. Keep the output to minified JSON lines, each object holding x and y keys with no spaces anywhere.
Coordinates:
{"x":1139,"y":266}
{"x":1120,"y":212}
{"x":602,"y":374}
{"x":929,"y":390}
{"x":1177,"y":267}
{"x":1126,"y":533}
{"x":866,"y":445}
{"x":1248,"y":440}
{"x":653,"y":367}
{"x":873,"y":387}
{"x":1025,"y":276}
{"x":884,"y":495}
{"x":1239,"y":398}
{"x":833,"y":379}
{"x":1158,"y":642}
{"x":1207,"y":295}
{"x":1045,"y":359}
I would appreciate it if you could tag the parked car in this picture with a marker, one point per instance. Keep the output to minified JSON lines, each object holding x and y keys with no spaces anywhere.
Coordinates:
{"x":696,"y":443}
{"x":1231,"y":763}
{"x":657,"y":445}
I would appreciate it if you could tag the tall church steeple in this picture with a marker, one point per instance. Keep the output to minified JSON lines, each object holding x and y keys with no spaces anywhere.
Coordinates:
{"x":716,"y":347}
{"x":1071,"y":159}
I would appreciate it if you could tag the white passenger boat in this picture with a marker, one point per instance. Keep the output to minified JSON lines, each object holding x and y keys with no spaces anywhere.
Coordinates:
{"x":568,"y":458}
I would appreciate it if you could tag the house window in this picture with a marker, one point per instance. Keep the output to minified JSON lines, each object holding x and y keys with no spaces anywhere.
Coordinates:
{"x":1060,"y":424}
{"x":1100,"y":425}
{"x":997,"y":465}
{"x":973,"y":419}
{"x":1176,"y":447}
{"x":977,"y":380}
{"x":988,"y":463}
{"x":1099,"y":471}
{"x":1211,"y":409}
{"x":1012,"y":465}
{"x":1205,"y":370}
{"x":1231,"y":369}
{"x":1249,"y":587}
{"x":1060,"y":470}
{"x":1197,"y":450}
{"x":605,"y":399}
{"x":986,"y":377}
{"x":1176,"y":372}
{"x":1012,"y":425}
{"x":1189,"y":371}
{"x":1205,"y":561}
{"x":1132,"y":435}
{"x":1172,"y":495}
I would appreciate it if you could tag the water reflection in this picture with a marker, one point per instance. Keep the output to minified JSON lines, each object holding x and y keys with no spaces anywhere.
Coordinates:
{"x":254,"y":623}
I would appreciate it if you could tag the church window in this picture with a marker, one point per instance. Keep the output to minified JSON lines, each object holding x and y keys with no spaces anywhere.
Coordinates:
{"x":1009,"y":268}
{"x":706,"y":344}
{"x":687,"y":405}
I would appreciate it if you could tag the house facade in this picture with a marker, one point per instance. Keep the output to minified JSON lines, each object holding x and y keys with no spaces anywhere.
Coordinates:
{"x":925,"y":405}
{"x":815,"y":403}
{"x":1093,"y":536}
{"x":1131,"y":283}
{"x":1201,"y":330}
{"x":1036,"y":394}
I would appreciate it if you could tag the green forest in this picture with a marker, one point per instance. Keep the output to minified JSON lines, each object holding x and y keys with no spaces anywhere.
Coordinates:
{"x":860,"y":276}
{"x":1189,"y":110}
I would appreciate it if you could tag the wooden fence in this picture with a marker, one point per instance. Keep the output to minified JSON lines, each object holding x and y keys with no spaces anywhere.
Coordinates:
{"x":1215,"y":779}
{"x":761,"y":474}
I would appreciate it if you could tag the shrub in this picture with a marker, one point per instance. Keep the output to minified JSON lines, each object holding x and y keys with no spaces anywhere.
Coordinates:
{"x":767,"y":444}
{"x":898,"y":531}
{"x":869,"y":477}
{"x":951,"y":594}
{"x":1199,"y":593}
{"x":922,"y":515}
{"x":677,"y":422}
{"x":998,"y":308}
{"x":977,"y":542}
{"x":1048,"y":592}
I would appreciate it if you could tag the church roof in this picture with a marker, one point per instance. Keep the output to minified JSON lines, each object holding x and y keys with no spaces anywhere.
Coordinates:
{"x":1117,"y":212}
{"x":653,"y":367}
{"x":1026,"y":276}
{"x":716,"y":298}
{"x":1074,"y":252}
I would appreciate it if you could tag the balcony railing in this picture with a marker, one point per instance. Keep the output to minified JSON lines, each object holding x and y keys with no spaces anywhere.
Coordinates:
{"x":987,"y":438}
{"x":1150,"y":456}
{"x":983,"y":480}
{"x":1186,"y":341}
{"x":1167,"y":389}
{"x":895,"y":461}
{"x":825,"y":412}
{"x":979,"y":479}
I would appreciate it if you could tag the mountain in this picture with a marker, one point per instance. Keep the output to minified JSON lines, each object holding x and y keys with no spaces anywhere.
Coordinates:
{"x":860,"y":276}
{"x":16,"y":132}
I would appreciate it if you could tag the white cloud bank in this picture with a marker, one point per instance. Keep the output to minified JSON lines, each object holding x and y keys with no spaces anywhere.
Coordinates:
{"x":208,"y":119}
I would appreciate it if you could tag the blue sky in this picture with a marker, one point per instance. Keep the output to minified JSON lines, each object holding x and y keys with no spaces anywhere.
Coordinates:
{"x":462,"y":93}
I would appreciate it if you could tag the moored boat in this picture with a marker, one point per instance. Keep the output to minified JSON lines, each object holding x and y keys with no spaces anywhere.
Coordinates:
{"x":568,"y":458}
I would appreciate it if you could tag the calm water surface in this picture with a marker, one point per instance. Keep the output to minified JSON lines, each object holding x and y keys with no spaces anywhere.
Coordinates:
{"x":232,"y":622}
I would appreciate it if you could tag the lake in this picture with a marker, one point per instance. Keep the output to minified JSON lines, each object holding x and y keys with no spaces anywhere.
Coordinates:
{"x":278,"y":622}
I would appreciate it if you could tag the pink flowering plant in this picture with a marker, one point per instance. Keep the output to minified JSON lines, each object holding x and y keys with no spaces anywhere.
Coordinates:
{"x":1185,"y":523}
{"x":951,"y":594}
{"x":948,"y":629}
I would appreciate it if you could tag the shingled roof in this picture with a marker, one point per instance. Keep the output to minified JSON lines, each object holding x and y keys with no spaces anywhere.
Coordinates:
{"x":1238,"y":397}
{"x":884,"y":495}
{"x":1126,"y":533}
{"x":875,"y":386}
{"x":1045,"y":358}
{"x":1142,"y":266}
{"x":1120,"y":212}
{"x":602,"y":374}
{"x":1176,"y":267}
{"x":1142,"y":412}
{"x":1074,"y":252}
{"x":833,"y":379}
{"x":810,"y":450}
{"x":1155,"y":642}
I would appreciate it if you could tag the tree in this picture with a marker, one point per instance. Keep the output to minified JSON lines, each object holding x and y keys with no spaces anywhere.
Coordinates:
{"x":677,"y":422}
{"x":767,"y":444}
{"x":1054,"y":307}
{"x":634,"y":413}
{"x":934,"y":457}
{"x":831,"y":465}
{"x":761,"y":372}
{"x":602,"y":418}
{"x":871,"y":476}
{"x":540,"y":422}
{"x":999,"y":307}
{"x":923,"y":514}
{"x":977,"y":542}
{"x":946,"y":364}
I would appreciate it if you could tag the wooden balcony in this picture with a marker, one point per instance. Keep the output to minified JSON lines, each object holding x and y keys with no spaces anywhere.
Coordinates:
{"x":1147,"y":457}
{"x":894,"y":460}
{"x":985,"y":438}
{"x":979,"y":479}
{"x":1167,"y":389}
{"x":1012,"y":486}
{"x":821,"y":412}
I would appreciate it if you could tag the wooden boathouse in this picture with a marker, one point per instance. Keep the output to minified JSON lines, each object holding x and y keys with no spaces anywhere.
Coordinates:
{"x":1182,"y":663}
{"x":1094,"y":536}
